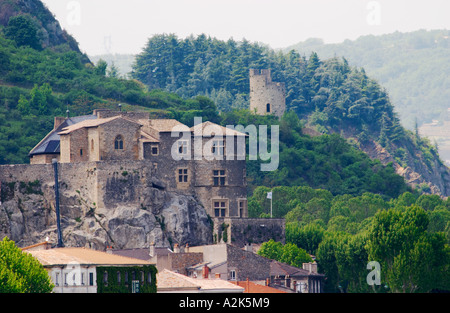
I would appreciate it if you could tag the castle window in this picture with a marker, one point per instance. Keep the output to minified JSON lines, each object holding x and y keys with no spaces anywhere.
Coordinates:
{"x":81,"y":152}
{"x":118,"y":143}
{"x":182,"y":175}
{"x":92,"y":144}
{"x":217,"y":147}
{"x":154,"y":149}
{"x":268,"y":108}
{"x":219,"y":177}
{"x":220,"y":208}
{"x":242,"y":207}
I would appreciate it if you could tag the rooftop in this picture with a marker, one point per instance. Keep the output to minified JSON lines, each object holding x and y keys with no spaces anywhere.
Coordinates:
{"x":92,"y":123}
{"x":167,"y":125}
{"x":207,"y":129}
{"x":171,"y":281}
{"x":251,"y":287}
{"x":82,"y":256}
{"x":50,"y":143}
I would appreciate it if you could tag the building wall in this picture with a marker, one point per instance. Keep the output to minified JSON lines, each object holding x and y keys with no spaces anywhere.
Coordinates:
{"x":263,"y":92}
{"x":43,"y":158}
{"x":129,"y":131}
{"x":73,"y":278}
{"x":180,"y":261}
{"x":243,"y":231}
{"x":94,"y":144}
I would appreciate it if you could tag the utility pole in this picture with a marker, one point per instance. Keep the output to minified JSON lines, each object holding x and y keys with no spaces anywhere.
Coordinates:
{"x":58,"y":221}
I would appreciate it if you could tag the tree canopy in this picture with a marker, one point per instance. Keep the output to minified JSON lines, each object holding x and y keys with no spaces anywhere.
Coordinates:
{"x":20,"y":272}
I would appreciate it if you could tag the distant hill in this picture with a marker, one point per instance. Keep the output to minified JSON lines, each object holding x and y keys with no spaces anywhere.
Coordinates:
{"x":413,"y":67}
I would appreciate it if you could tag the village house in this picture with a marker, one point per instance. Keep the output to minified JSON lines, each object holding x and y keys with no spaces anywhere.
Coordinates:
{"x":233,"y":264}
{"x":83,"y":270}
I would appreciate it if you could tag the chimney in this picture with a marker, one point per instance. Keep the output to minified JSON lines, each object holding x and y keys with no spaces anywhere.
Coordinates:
{"x":311,"y":267}
{"x":109,"y":249}
{"x":186,"y":248}
{"x":152,"y":249}
{"x":176,"y":248}
{"x":47,"y":244}
{"x":205,"y":271}
{"x":58,"y":121}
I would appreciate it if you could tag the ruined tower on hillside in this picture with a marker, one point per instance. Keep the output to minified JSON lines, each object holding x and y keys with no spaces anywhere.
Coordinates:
{"x":266,"y":96}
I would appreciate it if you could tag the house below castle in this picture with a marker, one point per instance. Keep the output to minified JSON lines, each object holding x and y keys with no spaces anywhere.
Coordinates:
{"x":205,"y":160}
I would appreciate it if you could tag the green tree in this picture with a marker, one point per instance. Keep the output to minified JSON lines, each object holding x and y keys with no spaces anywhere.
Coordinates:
{"x":20,"y":272}
{"x":288,"y":253}
{"x":100,"y":68}
{"x":411,"y":259}
{"x":23,"y":30}
{"x":271,"y":249}
{"x":23,"y":105}
{"x":295,"y":256}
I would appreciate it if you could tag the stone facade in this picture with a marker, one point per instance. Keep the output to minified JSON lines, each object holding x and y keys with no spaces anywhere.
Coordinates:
{"x":266,"y":96}
{"x":190,"y":161}
{"x":244,"y":231}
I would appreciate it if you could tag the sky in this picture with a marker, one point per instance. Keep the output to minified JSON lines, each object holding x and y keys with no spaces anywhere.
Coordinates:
{"x":124,"y":27}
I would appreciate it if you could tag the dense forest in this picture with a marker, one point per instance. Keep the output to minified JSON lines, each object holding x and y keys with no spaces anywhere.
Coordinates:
{"x":413,"y":66}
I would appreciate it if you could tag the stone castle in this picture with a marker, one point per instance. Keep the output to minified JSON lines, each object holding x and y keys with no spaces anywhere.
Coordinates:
{"x":129,"y":179}
{"x":165,"y":146}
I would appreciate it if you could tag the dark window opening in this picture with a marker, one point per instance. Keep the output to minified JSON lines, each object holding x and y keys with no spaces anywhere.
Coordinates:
{"x":118,"y":143}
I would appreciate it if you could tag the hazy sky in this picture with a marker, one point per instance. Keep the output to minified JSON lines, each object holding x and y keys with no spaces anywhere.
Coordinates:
{"x":119,"y":26}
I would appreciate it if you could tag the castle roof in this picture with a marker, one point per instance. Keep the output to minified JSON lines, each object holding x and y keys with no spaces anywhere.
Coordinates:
{"x":50,"y":143}
{"x":167,"y":125}
{"x":92,"y":123}
{"x":208,"y":129}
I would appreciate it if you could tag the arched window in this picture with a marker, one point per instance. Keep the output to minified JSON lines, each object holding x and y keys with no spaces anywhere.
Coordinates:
{"x":268,"y":107}
{"x":118,"y":143}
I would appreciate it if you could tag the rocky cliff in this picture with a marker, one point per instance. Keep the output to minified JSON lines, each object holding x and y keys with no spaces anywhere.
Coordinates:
{"x":27,"y":210}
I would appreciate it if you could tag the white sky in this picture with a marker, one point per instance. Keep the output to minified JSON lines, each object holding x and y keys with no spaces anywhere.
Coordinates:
{"x":119,"y":26}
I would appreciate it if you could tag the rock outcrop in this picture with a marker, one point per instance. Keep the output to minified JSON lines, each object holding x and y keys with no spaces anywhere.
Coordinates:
{"x":27,"y":216}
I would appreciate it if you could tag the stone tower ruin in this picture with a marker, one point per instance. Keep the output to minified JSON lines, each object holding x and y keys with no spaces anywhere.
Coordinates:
{"x":266,"y":96}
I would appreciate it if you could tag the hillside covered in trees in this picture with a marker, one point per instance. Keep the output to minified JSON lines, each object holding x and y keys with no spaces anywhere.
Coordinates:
{"x":329,"y":96}
{"x":413,"y":66}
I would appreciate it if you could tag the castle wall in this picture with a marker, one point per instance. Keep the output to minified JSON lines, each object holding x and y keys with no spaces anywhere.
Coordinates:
{"x":244,"y":231}
{"x":264,"y":93}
